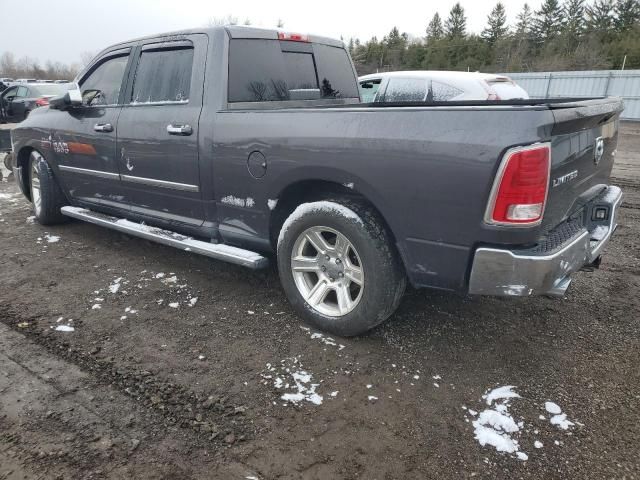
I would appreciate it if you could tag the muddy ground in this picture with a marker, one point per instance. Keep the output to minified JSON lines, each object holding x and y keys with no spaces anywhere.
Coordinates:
{"x":176,"y":368}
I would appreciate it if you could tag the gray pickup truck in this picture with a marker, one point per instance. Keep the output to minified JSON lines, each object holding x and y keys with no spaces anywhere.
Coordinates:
{"x":245,"y":144}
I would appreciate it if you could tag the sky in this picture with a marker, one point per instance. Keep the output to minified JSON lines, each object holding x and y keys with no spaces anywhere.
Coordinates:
{"x":64,"y":30}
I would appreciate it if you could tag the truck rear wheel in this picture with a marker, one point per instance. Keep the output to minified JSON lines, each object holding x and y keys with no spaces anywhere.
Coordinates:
{"x":46,"y":196}
{"x":338,"y":266}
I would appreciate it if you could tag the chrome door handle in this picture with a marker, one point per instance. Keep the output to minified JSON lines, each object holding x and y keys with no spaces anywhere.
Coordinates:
{"x":103,"y":127}
{"x":179,"y":129}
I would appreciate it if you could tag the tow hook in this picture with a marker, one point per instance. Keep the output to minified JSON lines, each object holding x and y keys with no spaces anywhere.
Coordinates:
{"x":590,"y":267}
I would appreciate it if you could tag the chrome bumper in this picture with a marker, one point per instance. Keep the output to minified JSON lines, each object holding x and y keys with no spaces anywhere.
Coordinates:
{"x":515,"y":273}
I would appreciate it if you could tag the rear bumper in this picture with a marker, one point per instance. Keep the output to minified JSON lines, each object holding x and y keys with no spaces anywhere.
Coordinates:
{"x":515,"y":272}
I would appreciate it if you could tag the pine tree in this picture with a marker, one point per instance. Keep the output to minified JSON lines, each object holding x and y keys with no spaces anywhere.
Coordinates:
{"x":351,"y":47}
{"x":574,"y":18}
{"x":525,"y":21}
{"x":600,"y":16}
{"x":456,"y":25}
{"x":496,"y":24}
{"x":548,"y":20}
{"x":435,"y":30}
{"x":627,"y":14}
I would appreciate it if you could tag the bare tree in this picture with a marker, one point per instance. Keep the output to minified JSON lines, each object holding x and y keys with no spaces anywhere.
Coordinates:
{"x":86,"y":57}
{"x":222,"y":21}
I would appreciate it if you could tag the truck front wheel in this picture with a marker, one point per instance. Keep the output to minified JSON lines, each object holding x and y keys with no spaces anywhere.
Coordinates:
{"x":338,"y":266}
{"x":46,"y":196}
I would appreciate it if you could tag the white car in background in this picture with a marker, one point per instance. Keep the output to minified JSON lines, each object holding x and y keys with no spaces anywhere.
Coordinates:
{"x":437,"y":86}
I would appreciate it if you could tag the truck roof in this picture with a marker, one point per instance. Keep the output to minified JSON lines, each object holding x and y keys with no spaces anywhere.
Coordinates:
{"x":235,"y":31}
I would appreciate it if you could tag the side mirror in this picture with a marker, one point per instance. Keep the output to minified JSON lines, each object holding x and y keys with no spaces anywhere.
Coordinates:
{"x":72,"y":98}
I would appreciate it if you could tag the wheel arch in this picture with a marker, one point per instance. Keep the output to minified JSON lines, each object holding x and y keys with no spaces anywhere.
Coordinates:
{"x":316,"y":189}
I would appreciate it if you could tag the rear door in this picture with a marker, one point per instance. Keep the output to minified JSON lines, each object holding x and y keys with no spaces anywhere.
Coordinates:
{"x":158,"y":130}
{"x":84,"y":141}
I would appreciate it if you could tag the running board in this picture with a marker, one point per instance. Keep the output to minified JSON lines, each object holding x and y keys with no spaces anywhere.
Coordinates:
{"x":226,"y":253}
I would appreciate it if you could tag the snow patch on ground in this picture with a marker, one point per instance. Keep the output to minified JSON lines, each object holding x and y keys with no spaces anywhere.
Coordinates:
{"x":322,"y":338}
{"x":500,"y":393}
{"x":64,"y":328}
{"x":51,"y":238}
{"x":292,"y":376}
{"x":495,"y":426}
{"x":561,"y":421}
{"x":558,"y":418}
{"x":115,"y":286}
{"x":552,"y":408}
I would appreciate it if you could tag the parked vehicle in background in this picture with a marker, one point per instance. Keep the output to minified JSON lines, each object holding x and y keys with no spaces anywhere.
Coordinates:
{"x":241,"y":143}
{"x":437,"y":86}
{"x":17,"y":101}
{"x":27,"y":80}
{"x":5,"y":83}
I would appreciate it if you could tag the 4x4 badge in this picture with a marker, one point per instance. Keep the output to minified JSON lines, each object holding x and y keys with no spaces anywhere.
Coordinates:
{"x":599,"y":150}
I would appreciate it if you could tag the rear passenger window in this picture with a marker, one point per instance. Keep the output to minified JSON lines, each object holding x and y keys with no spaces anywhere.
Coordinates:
{"x":271,"y":70}
{"x":406,"y":90}
{"x":163,"y":76}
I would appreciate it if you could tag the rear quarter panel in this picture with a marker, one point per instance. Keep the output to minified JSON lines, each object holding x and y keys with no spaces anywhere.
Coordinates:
{"x":427,"y":170}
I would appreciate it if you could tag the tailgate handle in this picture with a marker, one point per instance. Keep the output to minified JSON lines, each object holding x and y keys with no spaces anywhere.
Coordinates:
{"x":103,"y":127}
{"x":179,"y":129}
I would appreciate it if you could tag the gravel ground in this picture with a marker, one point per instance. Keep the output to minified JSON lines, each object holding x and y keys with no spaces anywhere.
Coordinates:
{"x":177,"y":366}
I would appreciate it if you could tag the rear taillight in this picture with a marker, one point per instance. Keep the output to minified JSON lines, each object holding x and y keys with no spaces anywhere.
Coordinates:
{"x":520,"y":189}
{"x":293,"y":37}
{"x":42,"y":102}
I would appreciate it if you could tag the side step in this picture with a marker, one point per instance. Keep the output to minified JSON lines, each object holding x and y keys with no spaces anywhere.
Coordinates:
{"x":227,"y":253}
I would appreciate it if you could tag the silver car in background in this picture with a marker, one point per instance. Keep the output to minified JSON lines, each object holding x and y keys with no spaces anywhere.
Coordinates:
{"x":437,"y":86}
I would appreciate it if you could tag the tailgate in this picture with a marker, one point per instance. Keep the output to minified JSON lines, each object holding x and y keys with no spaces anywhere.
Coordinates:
{"x":583,"y":146}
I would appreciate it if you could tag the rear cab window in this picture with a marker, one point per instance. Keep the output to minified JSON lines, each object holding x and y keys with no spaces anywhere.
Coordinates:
{"x":280,"y":70}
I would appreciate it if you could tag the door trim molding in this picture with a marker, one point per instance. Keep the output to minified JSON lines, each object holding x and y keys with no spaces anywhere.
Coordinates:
{"x":161,"y":183}
{"x":86,"y":171}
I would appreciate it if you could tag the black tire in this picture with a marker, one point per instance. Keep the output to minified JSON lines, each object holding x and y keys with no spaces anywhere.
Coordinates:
{"x":51,"y":198}
{"x":383,"y":277}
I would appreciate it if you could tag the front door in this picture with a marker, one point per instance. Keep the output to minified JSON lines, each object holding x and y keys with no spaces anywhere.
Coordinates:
{"x":158,"y":131}
{"x":85,"y":140}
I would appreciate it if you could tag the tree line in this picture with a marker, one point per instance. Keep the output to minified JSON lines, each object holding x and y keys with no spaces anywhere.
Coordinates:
{"x":29,"y":67}
{"x":560,"y":35}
